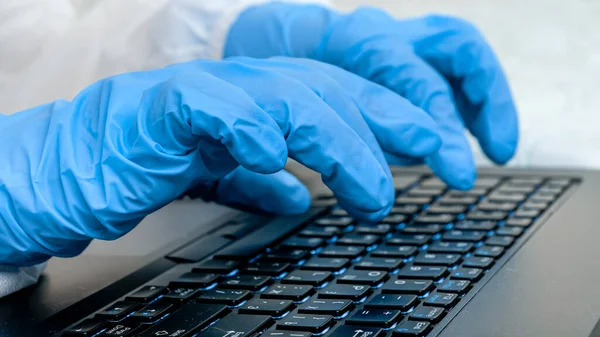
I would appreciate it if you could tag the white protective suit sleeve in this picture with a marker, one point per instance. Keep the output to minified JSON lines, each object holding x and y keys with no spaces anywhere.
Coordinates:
{"x":51,"y":49}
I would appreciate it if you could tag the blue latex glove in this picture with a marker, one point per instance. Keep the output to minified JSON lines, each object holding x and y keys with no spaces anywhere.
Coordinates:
{"x":130,"y":144}
{"x":441,"y":64}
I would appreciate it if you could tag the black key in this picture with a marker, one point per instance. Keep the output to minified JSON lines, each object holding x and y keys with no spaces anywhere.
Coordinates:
{"x":489,"y":251}
{"x":394,"y":219}
{"x":434,"y":219}
{"x":405,"y":200}
{"x":502,"y":241}
{"x":339,"y":212}
{"x":411,"y":329}
{"x":375,"y":263}
{"x":375,"y":317}
{"x":449,"y":200}
{"x":409,"y":240}
{"x":458,"y":235}
{"x":526,"y":213}
{"x":272,"y":268}
{"x":338,"y":221}
{"x":394,"y":251}
{"x":522,"y":222}
{"x":325,"y":307}
{"x":258,"y":306}
{"x":506,"y":197}
{"x":217,"y":266}
{"x":195,"y":280}
{"x":236,"y":325}
{"x":488,"y":182}
{"x":405,"y":209}
{"x":326,"y":263}
{"x":326,"y":232}
{"x":370,"y":277}
{"x":305,"y":322}
{"x":153,"y":311}
{"x":450,"y":247}
{"x":483,"y":262}
{"x":313,"y":278}
{"x":444,"y":300}
{"x":281,"y":333}
{"x":294,"y":292}
{"x":400,"y":286}
{"x":471,"y":225}
{"x":180,"y":294}
{"x":455,"y":286}
{"x":191,"y":317}
{"x":496,"y":206}
{"x":392,"y":301}
{"x":422,"y":272}
{"x":477,"y":214}
{"x":121,"y":329}
{"x":350,"y":252}
{"x":469,"y":274}
{"x":291,"y":256}
{"x":87,"y":328}
{"x":356,"y":331}
{"x":358,"y":239}
{"x":513,"y":231}
{"x":225,"y":296}
{"x":540,"y":206}
{"x":429,"y":314}
{"x":422,"y":229}
{"x":378,"y":229}
{"x":118,"y":310}
{"x":344,"y":291}
{"x":147,"y":293}
{"x":302,"y":243}
{"x":425,"y":192}
{"x":447,"y":209}
{"x":249,"y":282}
{"x":437,"y":259}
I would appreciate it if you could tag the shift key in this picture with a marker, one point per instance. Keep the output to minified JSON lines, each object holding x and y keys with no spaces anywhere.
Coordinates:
{"x":187,"y":320}
{"x":236,"y":325}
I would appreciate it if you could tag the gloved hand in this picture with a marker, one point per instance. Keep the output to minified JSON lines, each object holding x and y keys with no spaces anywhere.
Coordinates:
{"x":129,"y":144}
{"x":439,"y":63}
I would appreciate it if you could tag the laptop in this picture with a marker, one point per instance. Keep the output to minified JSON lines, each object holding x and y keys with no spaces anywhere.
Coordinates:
{"x":518,"y":255}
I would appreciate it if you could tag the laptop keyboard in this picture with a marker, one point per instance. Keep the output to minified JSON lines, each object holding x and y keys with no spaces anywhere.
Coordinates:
{"x":335,"y":277}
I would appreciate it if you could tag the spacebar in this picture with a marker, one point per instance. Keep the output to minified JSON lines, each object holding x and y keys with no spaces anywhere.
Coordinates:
{"x":254,"y":243}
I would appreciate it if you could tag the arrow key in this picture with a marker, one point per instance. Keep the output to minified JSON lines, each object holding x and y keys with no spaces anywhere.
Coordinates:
{"x":357,"y":331}
{"x":152,"y":312}
{"x":375,"y":317}
{"x":305,"y":322}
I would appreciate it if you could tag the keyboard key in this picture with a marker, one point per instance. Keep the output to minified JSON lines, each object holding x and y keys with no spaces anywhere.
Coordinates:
{"x":344,"y":291}
{"x":379,"y":229}
{"x":375,"y":317}
{"x":458,"y":235}
{"x":294,"y":292}
{"x":478,"y":214}
{"x":409,"y":239}
{"x":313,"y":278}
{"x":511,"y":188}
{"x":216,"y":267}
{"x":271,"y":268}
{"x":281,"y":333}
{"x":326,"y":232}
{"x":326,"y":263}
{"x":429,"y":314}
{"x":405,"y":200}
{"x":558,"y":182}
{"x":472,"y":225}
{"x":543,"y":197}
{"x":394,"y":219}
{"x":411,"y":329}
{"x":487,"y":182}
{"x":482,"y":262}
{"x":375,"y":263}
{"x":224,"y":296}
{"x":305,"y":322}
{"x":180,"y":294}
{"x":190,"y":317}
{"x":526,"y":213}
{"x":259,"y":306}
{"x":434,"y":219}
{"x":394,"y":251}
{"x":153,"y":311}
{"x":513,"y":231}
{"x":455,"y":286}
{"x":405,"y":209}
{"x":402,"y":286}
{"x":447,"y":209}
{"x":425,"y":192}
{"x":249,"y":282}
{"x":422,"y":229}
{"x":422,"y":272}
{"x":87,"y":328}
{"x":502,"y":241}
{"x":357,"y":331}
{"x":350,"y":252}
{"x":118,"y":310}
{"x":444,"y":300}
{"x":540,"y":206}
{"x":195,"y":280}
{"x":371,"y":278}
{"x":474,"y":192}
{"x":496,"y":206}
{"x":121,"y":329}
{"x":291,"y":256}
{"x":506,"y":197}
{"x":437,"y":259}
{"x":433,"y":182}
{"x":337,"y":221}
{"x":450,"y":247}
{"x":489,"y":251}
{"x":325,"y":307}
{"x":449,"y":200}
{"x":358,"y":239}
{"x":339,"y":212}
{"x":469,"y":274}
{"x":531,"y":181}
{"x":303,"y":243}
{"x":147,"y":293}
{"x":522,"y":222}
{"x":236,"y":325}
{"x":404,"y":180}
{"x":392,"y":301}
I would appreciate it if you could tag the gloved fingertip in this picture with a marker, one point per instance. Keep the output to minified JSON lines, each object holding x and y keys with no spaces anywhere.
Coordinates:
{"x":428,"y":142}
{"x":459,"y":172}
{"x":371,"y":217}
{"x":499,"y":152}
{"x":272,"y":160}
